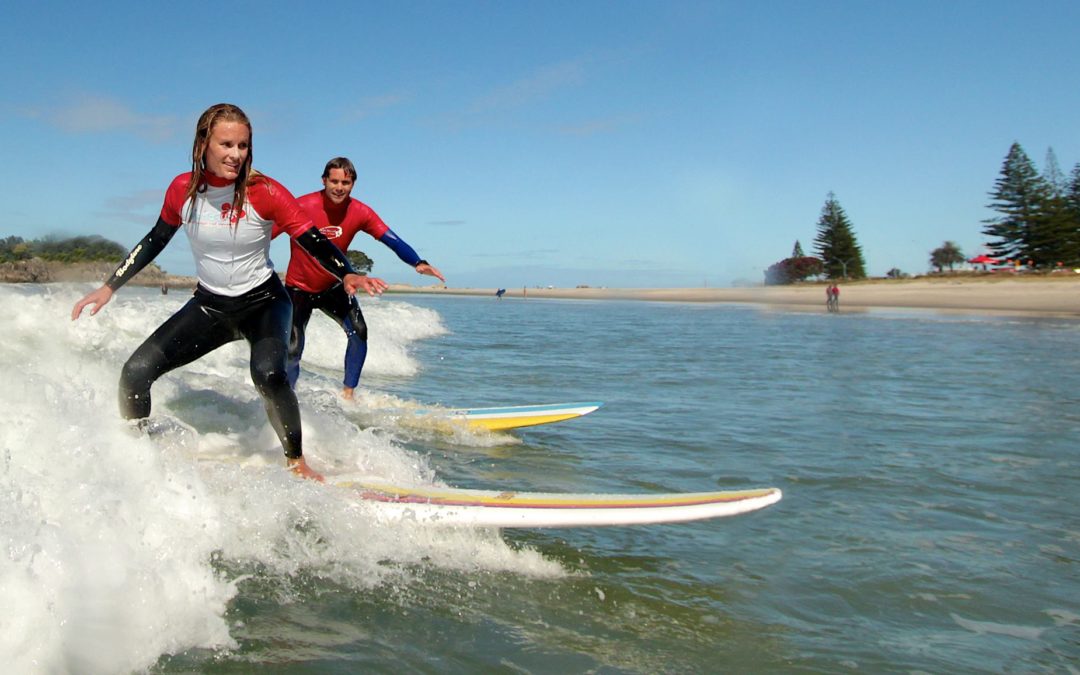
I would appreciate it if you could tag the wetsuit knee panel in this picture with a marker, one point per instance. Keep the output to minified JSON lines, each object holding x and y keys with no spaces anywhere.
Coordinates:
{"x":142,"y":367}
{"x":268,"y":364}
{"x":359,"y":326}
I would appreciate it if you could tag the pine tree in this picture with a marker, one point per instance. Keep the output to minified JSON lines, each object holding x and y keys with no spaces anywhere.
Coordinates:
{"x":797,"y":252}
{"x":1055,"y":180}
{"x":836,"y":245}
{"x":1021,"y":196}
{"x":1055,"y":239}
{"x":1071,"y":200}
{"x":1072,"y":194}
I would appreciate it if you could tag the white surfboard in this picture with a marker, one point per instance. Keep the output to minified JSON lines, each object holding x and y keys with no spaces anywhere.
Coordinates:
{"x":489,"y":508}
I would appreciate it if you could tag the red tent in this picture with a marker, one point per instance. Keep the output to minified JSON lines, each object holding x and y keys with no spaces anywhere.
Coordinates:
{"x":983,"y":259}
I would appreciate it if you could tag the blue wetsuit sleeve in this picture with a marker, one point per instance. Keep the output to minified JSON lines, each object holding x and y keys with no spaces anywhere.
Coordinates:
{"x":143,"y":253}
{"x":398,"y":246}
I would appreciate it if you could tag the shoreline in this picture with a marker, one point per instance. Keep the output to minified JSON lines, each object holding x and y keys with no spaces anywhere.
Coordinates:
{"x":1043,"y":295}
{"x":1035,"y":295}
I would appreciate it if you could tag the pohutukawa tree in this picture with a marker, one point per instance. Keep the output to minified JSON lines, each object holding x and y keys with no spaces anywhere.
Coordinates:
{"x":946,"y":255}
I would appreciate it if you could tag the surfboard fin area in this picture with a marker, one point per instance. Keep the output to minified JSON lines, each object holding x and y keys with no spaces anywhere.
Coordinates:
{"x":510,"y":509}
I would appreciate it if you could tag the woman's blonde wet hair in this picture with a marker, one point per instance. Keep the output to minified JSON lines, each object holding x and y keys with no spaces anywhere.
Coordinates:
{"x":221,"y":112}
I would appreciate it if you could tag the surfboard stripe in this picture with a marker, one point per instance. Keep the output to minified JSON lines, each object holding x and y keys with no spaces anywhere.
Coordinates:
{"x":546,"y":409}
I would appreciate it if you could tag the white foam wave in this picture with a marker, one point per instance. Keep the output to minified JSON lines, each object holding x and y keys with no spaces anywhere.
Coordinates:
{"x":120,"y":548}
{"x":392,"y":328}
{"x":994,"y":628}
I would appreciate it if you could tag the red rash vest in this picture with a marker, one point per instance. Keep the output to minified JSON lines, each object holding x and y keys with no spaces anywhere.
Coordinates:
{"x":339,"y":223}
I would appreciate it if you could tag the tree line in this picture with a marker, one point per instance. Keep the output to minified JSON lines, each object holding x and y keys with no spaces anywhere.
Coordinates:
{"x":93,"y":248}
{"x":1038,"y":224}
{"x":1039,"y":221}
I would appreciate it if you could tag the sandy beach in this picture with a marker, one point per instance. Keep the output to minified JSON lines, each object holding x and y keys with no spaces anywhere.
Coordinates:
{"x":1057,"y":295}
{"x":1052,"y":295}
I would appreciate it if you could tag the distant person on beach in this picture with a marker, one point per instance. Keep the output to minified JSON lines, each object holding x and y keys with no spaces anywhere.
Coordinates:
{"x":499,"y":293}
{"x":828,"y":298}
{"x":339,"y":217}
{"x":228,"y":210}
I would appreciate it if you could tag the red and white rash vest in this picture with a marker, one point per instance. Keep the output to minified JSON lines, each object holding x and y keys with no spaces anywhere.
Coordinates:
{"x":339,"y":223}
{"x":232,"y":251}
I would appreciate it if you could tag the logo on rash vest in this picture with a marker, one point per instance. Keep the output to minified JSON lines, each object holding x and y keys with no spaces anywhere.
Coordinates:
{"x":331,"y":231}
{"x":228,"y":215}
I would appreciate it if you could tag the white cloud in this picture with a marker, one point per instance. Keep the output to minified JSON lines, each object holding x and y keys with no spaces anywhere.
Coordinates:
{"x":135,"y":207}
{"x":537,"y":86}
{"x":93,"y":114}
{"x":373,"y":105}
{"x":598,"y":126}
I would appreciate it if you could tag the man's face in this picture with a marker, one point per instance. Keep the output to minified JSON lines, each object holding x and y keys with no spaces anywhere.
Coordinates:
{"x":338,"y":185}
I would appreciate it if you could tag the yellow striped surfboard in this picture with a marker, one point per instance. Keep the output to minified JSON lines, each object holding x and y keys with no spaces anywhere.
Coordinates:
{"x":515,"y":417}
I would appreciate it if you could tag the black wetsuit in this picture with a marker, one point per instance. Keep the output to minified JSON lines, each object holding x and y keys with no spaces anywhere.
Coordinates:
{"x":262,"y":316}
{"x":231,"y":254}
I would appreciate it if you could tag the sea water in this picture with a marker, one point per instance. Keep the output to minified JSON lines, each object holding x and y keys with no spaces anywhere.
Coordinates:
{"x":930,"y":520}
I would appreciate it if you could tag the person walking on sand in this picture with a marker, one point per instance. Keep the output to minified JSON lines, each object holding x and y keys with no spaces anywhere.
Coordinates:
{"x":227,"y":210}
{"x":828,"y":298}
{"x":835,"y":298}
{"x":339,"y":217}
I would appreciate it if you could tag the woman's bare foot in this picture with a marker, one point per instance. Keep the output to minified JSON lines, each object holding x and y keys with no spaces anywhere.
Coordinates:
{"x":298,"y":466}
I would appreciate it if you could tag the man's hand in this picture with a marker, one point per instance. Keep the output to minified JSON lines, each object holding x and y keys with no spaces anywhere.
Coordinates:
{"x":431,"y":271}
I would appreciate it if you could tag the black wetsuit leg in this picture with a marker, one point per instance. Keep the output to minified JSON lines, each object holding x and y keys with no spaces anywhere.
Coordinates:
{"x":302,"y":307}
{"x":267,"y":331}
{"x":186,"y":336}
{"x":262,"y":316}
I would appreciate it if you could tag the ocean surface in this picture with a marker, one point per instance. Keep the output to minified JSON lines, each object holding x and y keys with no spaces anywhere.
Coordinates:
{"x":929,"y":463}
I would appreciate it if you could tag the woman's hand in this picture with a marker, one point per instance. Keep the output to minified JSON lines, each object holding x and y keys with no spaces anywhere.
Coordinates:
{"x":371,"y":285}
{"x":98,"y":299}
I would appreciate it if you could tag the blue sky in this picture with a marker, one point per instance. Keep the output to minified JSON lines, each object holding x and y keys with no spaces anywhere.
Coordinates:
{"x":515,"y":143}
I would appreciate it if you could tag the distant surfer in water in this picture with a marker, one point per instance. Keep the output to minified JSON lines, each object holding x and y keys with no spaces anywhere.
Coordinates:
{"x":339,"y":217}
{"x":228,"y":210}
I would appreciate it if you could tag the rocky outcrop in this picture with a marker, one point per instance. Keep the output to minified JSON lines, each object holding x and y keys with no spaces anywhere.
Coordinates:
{"x":36,"y":270}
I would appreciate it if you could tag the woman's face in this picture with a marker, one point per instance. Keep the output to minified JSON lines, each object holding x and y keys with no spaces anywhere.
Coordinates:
{"x":227,"y":149}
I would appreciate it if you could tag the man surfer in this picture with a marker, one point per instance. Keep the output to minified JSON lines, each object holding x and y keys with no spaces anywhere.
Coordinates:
{"x":339,"y":217}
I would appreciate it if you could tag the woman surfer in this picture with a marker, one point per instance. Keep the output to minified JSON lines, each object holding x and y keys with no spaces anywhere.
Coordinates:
{"x":228,"y":211}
